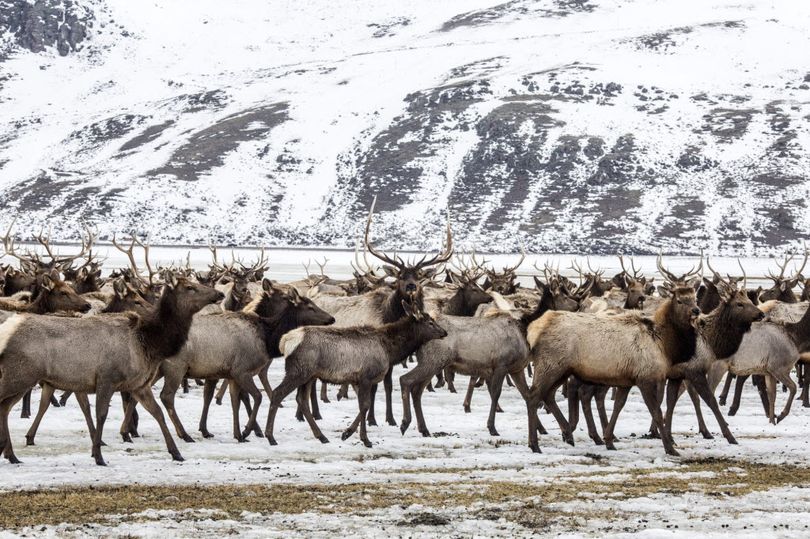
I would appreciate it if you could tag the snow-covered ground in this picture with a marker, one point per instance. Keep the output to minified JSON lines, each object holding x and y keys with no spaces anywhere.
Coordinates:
{"x":460,"y":452}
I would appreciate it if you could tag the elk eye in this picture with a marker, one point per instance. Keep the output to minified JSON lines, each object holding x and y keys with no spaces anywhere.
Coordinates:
{"x":739,"y":304}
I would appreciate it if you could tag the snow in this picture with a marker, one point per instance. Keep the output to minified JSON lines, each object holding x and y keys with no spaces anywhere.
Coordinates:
{"x":343,"y":87}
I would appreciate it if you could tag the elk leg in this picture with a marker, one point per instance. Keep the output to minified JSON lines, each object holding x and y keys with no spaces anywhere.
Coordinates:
{"x":770,"y":385}
{"x":266,"y":382}
{"x":439,"y":379}
{"x":84,"y":405}
{"x":54,"y":401}
{"x":324,"y":393}
{"x":147,"y":400}
{"x":574,"y":388}
{"x":701,"y":384}
{"x":186,"y":389}
{"x":726,"y":388}
{"x":495,"y":387}
{"x":236,"y":403}
{"x":303,"y":404}
{"x":738,"y":389}
{"x":287,"y":386}
{"x":129,"y":408}
{"x":806,"y":389}
{"x":450,"y":376}
{"x":221,"y":392}
{"x":429,"y":387}
{"x":619,"y":399}
{"x":103,"y":397}
{"x":171,"y":383}
{"x":208,"y":395}
{"x":44,"y":404}
{"x":364,"y":397}
{"x":468,"y":397}
{"x":249,"y":386}
{"x":787,"y":381}
{"x":417,"y":392}
{"x":533,"y":399}
{"x":586,"y":394}
{"x":551,"y":406}
{"x":673,"y":393}
{"x":371,"y":418}
{"x":26,"y":405}
{"x":509,"y":381}
{"x":132,"y":421}
{"x":313,"y":395}
{"x":64,"y":398}
{"x":343,"y":392}
{"x":388,"y":385}
{"x":600,"y":394}
{"x":649,"y":391}
{"x":5,"y":435}
{"x":702,"y":428}
{"x":421,"y":374}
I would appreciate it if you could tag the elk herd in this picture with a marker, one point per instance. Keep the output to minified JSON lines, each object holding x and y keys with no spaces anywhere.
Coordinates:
{"x":67,"y":327}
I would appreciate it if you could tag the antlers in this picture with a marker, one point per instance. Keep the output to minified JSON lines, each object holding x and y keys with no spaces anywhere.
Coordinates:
{"x":671,"y":277}
{"x":130,"y":252}
{"x":400,"y":264}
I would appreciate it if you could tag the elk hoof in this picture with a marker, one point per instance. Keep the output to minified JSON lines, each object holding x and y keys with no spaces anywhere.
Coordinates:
{"x":707,"y":435}
{"x":326,"y":400}
{"x":245,"y":434}
{"x":100,"y":461}
{"x":177,"y":457}
{"x":493,"y":432}
{"x":722,"y":401}
{"x":732,"y":411}
{"x":345,"y":435}
{"x":241,"y":439}
{"x":535,"y":448}
{"x":29,"y":440}
{"x":391,"y":421}
{"x":568,"y":438}
{"x":425,"y":433}
{"x":258,"y":432}
{"x":25,"y":415}
{"x":134,"y":433}
{"x":188,"y":439}
{"x":781,"y":417}
{"x":14,"y":460}
{"x":367,"y":443}
{"x":219,"y":402}
{"x":404,"y":427}
{"x":300,"y":417}
{"x":609,"y":446}
{"x":317,"y":416}
{"x":126,"y":437}
{"x":597,"y":440}
{"x":323,"y":439}
{"x":671,"y":452}
{"x":466,"y":409}
{"x":541,"y":430}
{"x":206,"y":434}
{"x":371,"y":422}
{"x":806,"y":404}
{"x":451,"y":389}
{"x":499,"y":410}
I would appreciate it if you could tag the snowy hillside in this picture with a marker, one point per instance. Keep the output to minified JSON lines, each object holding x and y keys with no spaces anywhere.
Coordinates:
{"x":579,"y":125}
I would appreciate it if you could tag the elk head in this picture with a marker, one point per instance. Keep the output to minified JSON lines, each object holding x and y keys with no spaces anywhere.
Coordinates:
{"x":52,"y":294}
{"x":782,"y":289}
{"x":505,"y":282}
{"x":409,"y":276}
{"x":125,"y":298}
{"x":724,"y":327}
{"x":635,"y":284}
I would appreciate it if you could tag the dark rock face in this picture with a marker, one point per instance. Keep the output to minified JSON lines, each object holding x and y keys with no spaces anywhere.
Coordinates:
{"x":63,"y":24}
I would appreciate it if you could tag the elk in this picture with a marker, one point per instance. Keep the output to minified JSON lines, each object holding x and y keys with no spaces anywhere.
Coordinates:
{"x":782,"y":289}
{"x":624,"y":351}
{"x":236,"y":346}
{"x":361,"y":356}
{"x":489,"y":347}
{"x":383,"y":306}
{"x":98,"y":355}
{"x":504,"y":283}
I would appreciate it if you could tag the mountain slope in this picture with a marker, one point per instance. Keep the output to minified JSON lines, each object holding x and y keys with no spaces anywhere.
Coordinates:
{"x":574,"y":125}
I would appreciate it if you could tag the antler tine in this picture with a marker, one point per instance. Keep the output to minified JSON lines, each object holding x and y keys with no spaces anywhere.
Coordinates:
{"x":745,"y":277}
{"x":508,"y":269}
{"x":667,"y":274}
{"x":636,"y":273}
{"x":306,"y":266}
{"x":382,"y":256}
{"x":145,"y":247}
{"x":782,"y":268}
{"x":714,"y":272}
{"x":26,"y":262}
{"x":321,"y":266}
{"x":442,"y":256}
{"x":695,"y":269}
{"x":130,"y":255}
{"x":621,"y":263}
{"x":216,"y":265}
{"x":804,"y":262}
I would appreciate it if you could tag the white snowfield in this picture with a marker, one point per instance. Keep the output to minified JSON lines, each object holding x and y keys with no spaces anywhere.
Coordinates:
{"x":460,"y":445}
{"x":341,"y":73}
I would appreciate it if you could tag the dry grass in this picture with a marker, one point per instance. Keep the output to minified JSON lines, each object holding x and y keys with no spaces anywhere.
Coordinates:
{"x":526,"y":504}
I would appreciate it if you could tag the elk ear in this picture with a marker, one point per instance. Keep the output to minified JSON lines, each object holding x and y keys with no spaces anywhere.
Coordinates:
{"x":540,"y":284}
{"x":294,"y":295}
{"x":793,"y":282}
{"x":47,"y":282}
{"x":267,"y":285}
{"x":390,"y":271}
{"x":663,"y":291}
{"x":119,"y":288}
{"x":169,"y":279}
{"x":487,"y":283}
{"x":428,"y":273}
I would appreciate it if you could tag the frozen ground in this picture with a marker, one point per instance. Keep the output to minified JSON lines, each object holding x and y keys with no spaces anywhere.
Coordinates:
{"x":461,"y":481}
